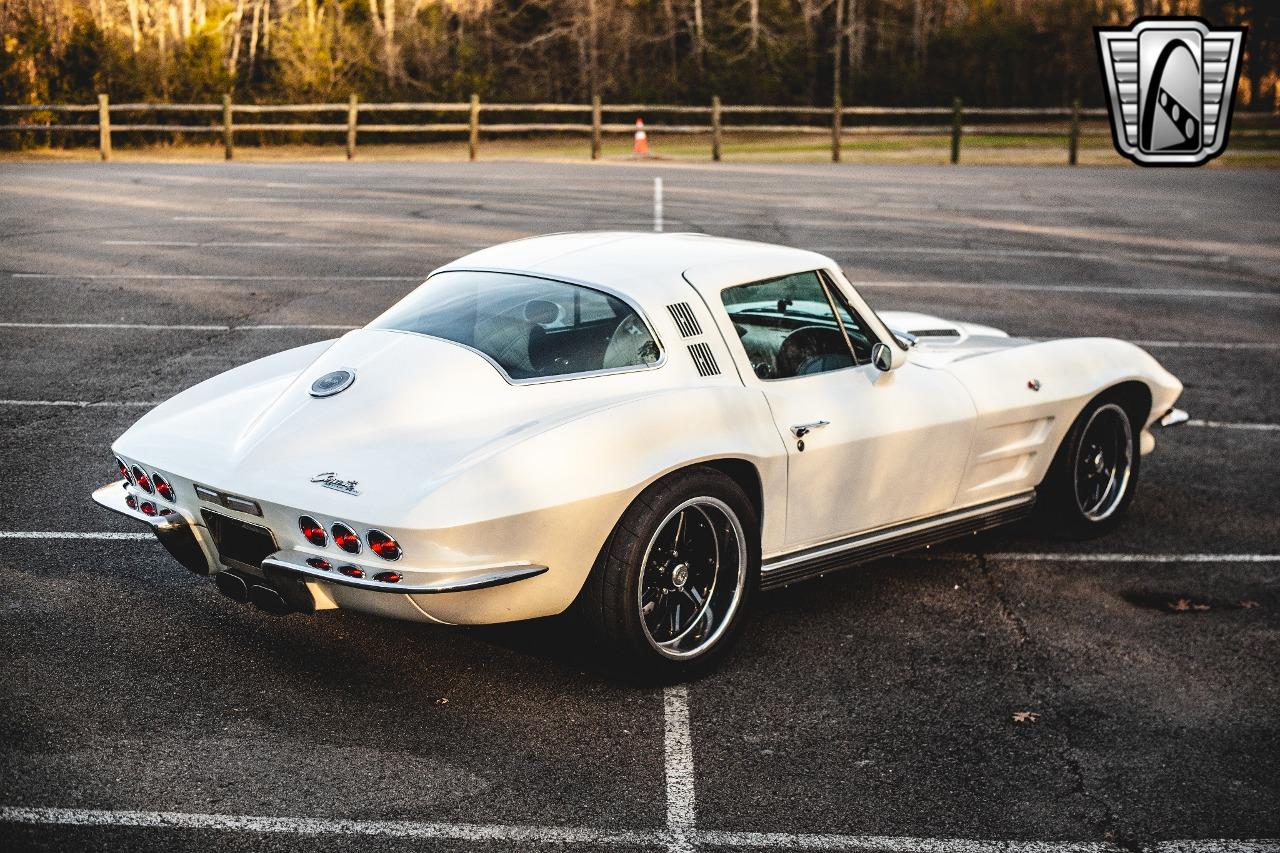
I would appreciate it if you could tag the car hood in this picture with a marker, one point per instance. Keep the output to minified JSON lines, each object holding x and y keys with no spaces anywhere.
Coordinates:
{"x":398,"y":431}
{"x":940,"y":342}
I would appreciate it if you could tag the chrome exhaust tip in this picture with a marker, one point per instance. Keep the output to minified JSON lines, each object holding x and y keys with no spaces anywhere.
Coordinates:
{"x":268,"y":599}
{"x":232,"y":586}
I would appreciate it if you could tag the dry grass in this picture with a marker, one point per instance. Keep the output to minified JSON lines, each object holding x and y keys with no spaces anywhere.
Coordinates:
{"x":1095,"y":150}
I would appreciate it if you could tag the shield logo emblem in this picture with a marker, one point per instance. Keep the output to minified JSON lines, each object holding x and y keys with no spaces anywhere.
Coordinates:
{"x":1171,"y":84}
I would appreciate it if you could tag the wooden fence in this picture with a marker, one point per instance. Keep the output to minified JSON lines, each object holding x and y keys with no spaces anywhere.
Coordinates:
{"x":837,"y":121}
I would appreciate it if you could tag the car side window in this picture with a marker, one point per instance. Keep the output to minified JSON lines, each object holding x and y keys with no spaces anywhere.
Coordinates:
{"x":788,"y":326}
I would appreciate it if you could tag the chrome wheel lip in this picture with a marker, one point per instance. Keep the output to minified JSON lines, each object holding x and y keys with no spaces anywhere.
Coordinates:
{"x":1119,"y":471}
{"x":667,"y":648}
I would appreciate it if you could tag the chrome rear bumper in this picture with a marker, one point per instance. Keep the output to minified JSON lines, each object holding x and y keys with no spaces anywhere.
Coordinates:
{"x":1173,"y":417}
{"x":294,"y":564}
{"x":176,"y":532}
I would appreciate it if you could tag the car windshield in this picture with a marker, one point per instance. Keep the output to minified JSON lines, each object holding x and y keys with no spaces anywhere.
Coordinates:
{"x":530,"y":327}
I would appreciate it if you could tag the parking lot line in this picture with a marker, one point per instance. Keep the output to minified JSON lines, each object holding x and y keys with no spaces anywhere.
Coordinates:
{"x":511,"y":834}
{"x":178,"y":277}
{"x":1109,"y":289}
{"x":85,"y":404}
{"x":1135,"y":558}
{"x":544,"y":835}
{"x":678,"y":767}
{"x":249,"y":327}
{"x":56,"y":534}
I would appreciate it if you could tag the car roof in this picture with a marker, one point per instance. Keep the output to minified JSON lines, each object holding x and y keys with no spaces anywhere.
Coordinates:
{"x":648,"y":267}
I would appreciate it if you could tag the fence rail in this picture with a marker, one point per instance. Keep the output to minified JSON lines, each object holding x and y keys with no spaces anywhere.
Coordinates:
{"x":595,"y":126}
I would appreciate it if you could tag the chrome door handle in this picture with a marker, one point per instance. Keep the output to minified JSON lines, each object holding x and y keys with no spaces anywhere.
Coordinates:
{"x":801,"y":430}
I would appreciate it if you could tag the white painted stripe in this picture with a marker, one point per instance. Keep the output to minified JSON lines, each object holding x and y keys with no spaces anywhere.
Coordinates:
{"x":176,"y":277}
{"x":54,"y":534}
{"x":1119,"y":290}
{"x":607,"y":839}
{"x":263,"y":327}
{"x":1135,"y":558}
{"x":678,"y":752}
{"x":1244,"y":345}
{"x":657,"y":204}
{"x":1195,"y":422}
{"x":286,"y":220}
{"x":85,"y":404}
{"x":330,"y":826}
{"x":284,"y":244}
{"x":1118,"y":255}
{"x":894,"y":844}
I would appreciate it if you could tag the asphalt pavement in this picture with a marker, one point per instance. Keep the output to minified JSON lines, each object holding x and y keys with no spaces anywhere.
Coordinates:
{"x":874,"y":709}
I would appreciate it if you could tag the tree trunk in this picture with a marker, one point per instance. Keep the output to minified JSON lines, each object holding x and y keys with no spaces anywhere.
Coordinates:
{"x":754,"y":25}
{"x":390,"y":55}
{"x":697,"y":26}
{"x":135,"y":31}
{"x":234,"y":61}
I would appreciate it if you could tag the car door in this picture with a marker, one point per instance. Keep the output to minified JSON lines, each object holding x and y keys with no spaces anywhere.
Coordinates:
{"x":865,"y":448}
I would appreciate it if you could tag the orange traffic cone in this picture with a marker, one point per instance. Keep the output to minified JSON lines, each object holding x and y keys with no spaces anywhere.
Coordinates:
{"x":641,"y":148}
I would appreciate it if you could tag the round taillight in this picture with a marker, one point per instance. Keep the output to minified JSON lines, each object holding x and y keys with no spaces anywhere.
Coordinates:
{"x":388,"y":577}
{"x":163,"y":488}
{"x":345,"y":538}
{"x":319,"y":563}
{"x":352,"y":571}
{"x":131,"y":502}
{"x":148,"y":508}
{"x":383,"y":545}
{"x":124,"y":470}
{"x":313,"y":531}
{"x":144,"y":483}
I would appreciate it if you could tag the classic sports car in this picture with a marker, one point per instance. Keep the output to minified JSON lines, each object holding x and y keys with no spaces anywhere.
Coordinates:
{"x":651,"y":427}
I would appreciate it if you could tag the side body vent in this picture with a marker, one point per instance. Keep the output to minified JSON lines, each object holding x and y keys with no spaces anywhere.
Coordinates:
{"x":704,"y":360}
{"x":685,"y":321}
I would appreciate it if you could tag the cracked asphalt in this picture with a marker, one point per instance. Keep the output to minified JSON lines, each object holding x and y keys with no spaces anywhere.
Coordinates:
{"x":877,"y":701}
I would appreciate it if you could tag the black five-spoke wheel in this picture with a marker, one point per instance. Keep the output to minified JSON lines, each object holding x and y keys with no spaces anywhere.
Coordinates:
{"x":672,"y":584}
{"x":1104,"y":462}
{"x":691,"y":578}
{"x":1095,"y":473}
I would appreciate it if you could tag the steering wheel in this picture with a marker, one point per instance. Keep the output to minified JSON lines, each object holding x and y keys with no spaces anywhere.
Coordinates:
{"x":812,"y":349}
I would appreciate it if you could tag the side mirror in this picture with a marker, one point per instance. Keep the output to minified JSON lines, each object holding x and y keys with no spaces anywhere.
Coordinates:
{"x":887,"y":358}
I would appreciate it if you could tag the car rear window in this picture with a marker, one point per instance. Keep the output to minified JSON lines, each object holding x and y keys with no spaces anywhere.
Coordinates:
{"x":530,"y":327}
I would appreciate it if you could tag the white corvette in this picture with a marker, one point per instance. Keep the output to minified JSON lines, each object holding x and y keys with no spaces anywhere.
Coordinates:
{"x":652,"y":427}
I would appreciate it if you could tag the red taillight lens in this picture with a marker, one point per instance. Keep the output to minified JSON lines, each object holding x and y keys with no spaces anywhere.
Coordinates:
{"x":319,"y":563}
{"x":131,"y":502}
{"x":352,"y":571}
{"x":148,"y":508}
{"x":124,"y":470}
{"x":387,"y":577}
{"x":163,"y":489}
{"x":346,"y":539}
{"x":313,"y":531}
{"x":144,"y":483}
{"x":383,"y":545}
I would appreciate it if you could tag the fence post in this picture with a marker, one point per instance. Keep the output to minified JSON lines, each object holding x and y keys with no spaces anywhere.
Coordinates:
{"x":353,"y":109}
{"x":715,"y":128}
{"x":228,"y":144}
{"x":104,"y":127}
{"x":597,"y":120}
{"x":473,"y":139}
{"x":837,"y":120}
{"x":957,"y":116}
{"x":1073,"y":145}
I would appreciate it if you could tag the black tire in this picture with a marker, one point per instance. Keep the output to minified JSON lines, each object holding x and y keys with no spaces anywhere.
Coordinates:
{"x":1094,"y":475}
{"x":643,"y":565}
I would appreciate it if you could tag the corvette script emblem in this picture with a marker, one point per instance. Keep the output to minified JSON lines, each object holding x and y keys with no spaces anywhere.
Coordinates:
{"x":329,"y":481}
{"x":1171,"y":83}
